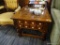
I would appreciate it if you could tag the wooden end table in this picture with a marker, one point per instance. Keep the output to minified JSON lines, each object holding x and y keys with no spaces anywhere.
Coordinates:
{"x":35,"y":26}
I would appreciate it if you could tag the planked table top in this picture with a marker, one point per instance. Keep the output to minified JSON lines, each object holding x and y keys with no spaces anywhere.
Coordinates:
{"x":26,"y":15}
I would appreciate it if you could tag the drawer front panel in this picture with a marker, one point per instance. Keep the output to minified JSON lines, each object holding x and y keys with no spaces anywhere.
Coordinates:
{"x":26,"y":24}
{"x":20,"y":23}
{"x":33,"y":25}
{"x":41,"y":26}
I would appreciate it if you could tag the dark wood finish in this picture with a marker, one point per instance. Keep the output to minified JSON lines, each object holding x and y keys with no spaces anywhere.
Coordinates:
{"x":24,"y":19}
{"x":49,"y":1}
{"x":49,"y":5}
{"x":23,"y":3}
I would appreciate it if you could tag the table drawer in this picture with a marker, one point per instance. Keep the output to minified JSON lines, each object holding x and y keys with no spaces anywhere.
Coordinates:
{"x":39,"y":26}
{"x":42,"y":26}
{"x":26,"y":24}
{"x":32,"y":25}
{"x":20,"y":23}
{"x":23,"y":24}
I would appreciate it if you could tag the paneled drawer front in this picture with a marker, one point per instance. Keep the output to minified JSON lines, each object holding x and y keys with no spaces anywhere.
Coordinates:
{"x":42,"y":26}
{"x":20,"y":23}
{"x":33,"y":25}
{"x":39,"y":26}
{"x":23,"y":24}
{"x":26,"y":24}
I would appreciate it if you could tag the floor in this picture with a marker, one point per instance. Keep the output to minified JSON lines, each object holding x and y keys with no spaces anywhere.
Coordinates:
{"x":8,"y":36}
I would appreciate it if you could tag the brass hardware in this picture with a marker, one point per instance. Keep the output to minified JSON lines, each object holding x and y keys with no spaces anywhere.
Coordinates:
{"x":32,"y":27}
{"x":19,"y":25}
{"x":19,"y":21}
{"x":39,"y":23}
{"x":26,"y":26}
{"x":39,"y":28}
{"x":32,"y":22}
{"x":25,"y":22}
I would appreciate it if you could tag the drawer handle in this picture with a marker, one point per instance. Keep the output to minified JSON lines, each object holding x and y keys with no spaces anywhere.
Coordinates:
{"x":26,"y":26}
{"x":25,"y":22}
{"x":39,"y":23}
{"x":32,"y":27}
{"x":39,"y":28}
{"x":32,"y":22}
{"x":19,"y":25}
{"x":19,"y":21}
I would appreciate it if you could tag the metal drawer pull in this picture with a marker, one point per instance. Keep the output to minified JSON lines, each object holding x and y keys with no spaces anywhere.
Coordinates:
{"x":26,"y":26}
{"x":19,"y":25}
{"x":39,"y":28}
{"x":32,"y":22}
{"x":32,"y":27}
{"x":19,"y":21}
{"x":39,"y":23}
{"x":25,"y":22}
